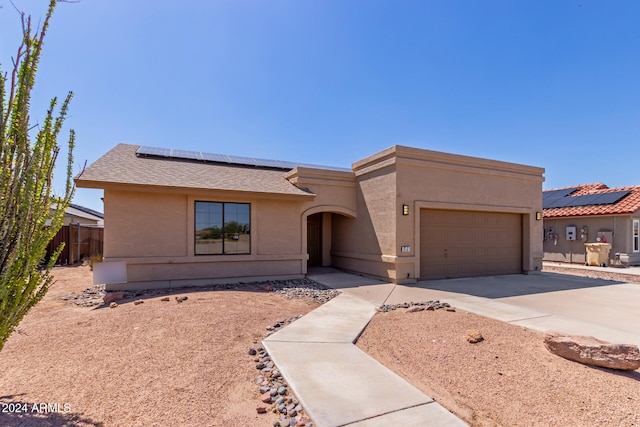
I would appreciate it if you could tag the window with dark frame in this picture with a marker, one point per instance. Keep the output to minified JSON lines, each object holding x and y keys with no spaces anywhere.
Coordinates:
{"x":636,"y":235}
{"x":222,"y":228}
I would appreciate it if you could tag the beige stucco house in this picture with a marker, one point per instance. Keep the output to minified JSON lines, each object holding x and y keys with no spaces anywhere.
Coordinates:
{"x":592,"y":213}
{"x":176,"y":217}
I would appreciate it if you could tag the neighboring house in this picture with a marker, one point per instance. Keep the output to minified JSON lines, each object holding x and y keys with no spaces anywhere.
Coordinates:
{"x":76,"y":214}
{"x":177,"y":217}
{"x":82,"y":235}
{"x":592,"y":213}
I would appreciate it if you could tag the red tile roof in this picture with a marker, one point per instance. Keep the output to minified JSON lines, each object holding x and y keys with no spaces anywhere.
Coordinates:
{"x":629,"y":204}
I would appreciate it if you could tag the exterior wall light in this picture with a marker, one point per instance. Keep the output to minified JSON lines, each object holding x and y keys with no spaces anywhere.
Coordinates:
{"x":405,"y":209}
{"x":538,"y":216}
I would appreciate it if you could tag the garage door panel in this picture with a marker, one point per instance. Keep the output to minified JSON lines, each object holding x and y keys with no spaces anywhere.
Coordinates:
{"x":469,"y":243}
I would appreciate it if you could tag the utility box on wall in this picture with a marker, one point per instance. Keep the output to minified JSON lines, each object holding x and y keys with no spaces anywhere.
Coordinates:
{"x":571,"y":232}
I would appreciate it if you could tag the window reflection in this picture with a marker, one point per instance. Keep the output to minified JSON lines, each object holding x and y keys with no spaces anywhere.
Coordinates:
{"x":222,"y":228}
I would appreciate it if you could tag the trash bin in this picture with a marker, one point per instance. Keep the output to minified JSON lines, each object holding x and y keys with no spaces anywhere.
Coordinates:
{"x":597,"y":254}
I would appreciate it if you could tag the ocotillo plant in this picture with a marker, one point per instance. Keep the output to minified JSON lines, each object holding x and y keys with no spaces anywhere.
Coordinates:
{"x":30,"y":212}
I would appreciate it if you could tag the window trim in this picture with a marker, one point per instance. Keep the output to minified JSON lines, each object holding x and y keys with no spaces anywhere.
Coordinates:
{"x":635,"y":235}
{"x":195,"y":227}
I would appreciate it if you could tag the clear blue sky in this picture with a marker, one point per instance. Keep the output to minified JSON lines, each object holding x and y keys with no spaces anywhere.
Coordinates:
{"x":552,"y":83}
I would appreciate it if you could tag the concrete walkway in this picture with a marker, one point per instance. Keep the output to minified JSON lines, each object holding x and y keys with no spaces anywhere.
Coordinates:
{"x":339,"y":385}
{"x":336,"y":382}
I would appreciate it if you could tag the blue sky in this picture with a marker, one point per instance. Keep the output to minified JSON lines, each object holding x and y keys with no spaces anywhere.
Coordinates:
{"x":553,"y":83}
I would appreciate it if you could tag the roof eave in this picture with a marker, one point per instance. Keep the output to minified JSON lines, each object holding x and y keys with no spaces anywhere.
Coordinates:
{"x":106,"y":185}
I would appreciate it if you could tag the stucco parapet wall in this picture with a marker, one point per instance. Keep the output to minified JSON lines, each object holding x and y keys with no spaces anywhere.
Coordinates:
{"x":417,"y":157}
{"x":304,"y":175}
{"x":438,"y":204}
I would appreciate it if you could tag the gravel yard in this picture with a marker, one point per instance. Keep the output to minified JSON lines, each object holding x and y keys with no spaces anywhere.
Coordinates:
{"x":192,"y":362}
{"x":156,"y":363}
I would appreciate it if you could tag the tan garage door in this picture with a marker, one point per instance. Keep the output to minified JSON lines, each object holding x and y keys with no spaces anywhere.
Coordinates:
{"x":468,"y":244}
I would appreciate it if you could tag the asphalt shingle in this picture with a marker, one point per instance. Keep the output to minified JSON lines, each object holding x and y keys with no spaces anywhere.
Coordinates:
{"x":121,"y":165}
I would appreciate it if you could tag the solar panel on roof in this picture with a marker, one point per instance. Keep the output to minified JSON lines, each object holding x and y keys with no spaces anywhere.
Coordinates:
{"x":214,"y":157}
{"x":154,"y":151}
{"x":186,"y":154}
{"x":223,"y":158}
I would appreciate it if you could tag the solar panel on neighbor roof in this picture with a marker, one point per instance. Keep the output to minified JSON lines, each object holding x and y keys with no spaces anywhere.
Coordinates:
{"x":610,"y":198}
{"x":553,"y":194}
{"x":585,"y":200}
{"x":555,"y":203}
{"x":555,"y":198}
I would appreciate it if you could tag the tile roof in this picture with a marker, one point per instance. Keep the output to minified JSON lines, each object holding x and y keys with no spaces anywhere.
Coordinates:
{"x":121,"y":165}
{"x":628,"y":204}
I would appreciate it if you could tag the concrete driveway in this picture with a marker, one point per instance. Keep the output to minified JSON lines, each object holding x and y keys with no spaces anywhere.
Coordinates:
{"x":607,"y":310}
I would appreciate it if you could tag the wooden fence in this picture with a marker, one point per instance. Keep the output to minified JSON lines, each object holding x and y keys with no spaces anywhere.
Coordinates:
{"x":80,"y":242}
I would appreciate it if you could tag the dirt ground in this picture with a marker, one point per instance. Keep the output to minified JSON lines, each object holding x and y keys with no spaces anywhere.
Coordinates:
{"x":153,"y":364}
{"x":509,"y":379}
{"x":163,"y":363}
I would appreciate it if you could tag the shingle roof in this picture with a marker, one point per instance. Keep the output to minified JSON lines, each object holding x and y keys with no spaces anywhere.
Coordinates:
{"x":628,"y":204}
{"x":121,"y":165}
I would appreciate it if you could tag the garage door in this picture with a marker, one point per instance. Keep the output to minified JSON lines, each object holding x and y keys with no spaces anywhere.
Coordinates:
{"x":468,"y":244}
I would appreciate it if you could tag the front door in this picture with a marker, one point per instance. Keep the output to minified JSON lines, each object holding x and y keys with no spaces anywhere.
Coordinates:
{"x":314,"y":239}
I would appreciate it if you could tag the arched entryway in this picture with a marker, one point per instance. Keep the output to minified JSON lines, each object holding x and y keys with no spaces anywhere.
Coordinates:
{"x":317,"y":224}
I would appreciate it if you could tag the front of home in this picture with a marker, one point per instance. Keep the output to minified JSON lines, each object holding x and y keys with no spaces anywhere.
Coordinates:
{"x":176,"y":217}
{"x":592,"y":213}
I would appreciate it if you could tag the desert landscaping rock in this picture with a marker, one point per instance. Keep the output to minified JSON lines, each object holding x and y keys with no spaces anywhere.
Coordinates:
{"x":473,"y":336}
{"x":90,"y":297}
{"x":138,"y":302}
{"x":113,"y":305}
{"x":413,"y":307}
{"x":272,"y":387}
{"x":291,"y":289}
{"x":592,"y":351}
{"x":112,"y":296}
